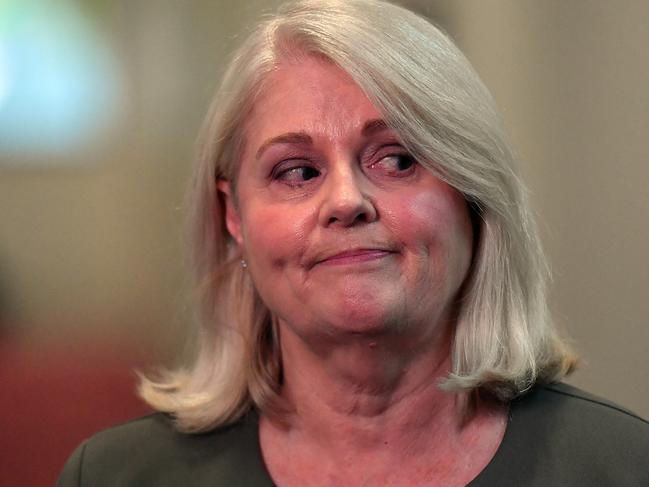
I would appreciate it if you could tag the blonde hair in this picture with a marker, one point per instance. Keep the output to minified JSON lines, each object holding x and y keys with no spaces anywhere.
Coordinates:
{"x":430,"y":95}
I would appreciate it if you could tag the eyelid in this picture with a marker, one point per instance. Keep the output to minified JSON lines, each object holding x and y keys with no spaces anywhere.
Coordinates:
{"x":379,"y":163}
{"x":385,"y":150}
{"x":289,"y":161}
{"x":386,"y":146}
{"x":283,"y":168}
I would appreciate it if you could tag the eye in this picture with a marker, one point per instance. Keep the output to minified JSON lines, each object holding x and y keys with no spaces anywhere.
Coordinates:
{"x":294,"y":174}
{"x":398,"y":165}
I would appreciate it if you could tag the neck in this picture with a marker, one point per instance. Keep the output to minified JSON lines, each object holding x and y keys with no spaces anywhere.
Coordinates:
{"x":372,"y":390}
{"x":376,"y":402}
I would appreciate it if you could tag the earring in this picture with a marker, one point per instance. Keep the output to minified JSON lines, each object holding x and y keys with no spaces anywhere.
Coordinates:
{"x":244,"y":264}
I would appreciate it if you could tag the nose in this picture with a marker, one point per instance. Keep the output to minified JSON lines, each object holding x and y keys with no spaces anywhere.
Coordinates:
{"x":344,"y":202}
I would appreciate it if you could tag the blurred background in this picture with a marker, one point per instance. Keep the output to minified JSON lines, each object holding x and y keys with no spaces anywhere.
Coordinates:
{"x":100,"y":104}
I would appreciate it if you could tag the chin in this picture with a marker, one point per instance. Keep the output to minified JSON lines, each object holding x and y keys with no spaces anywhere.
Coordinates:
{"x":370,"y":317}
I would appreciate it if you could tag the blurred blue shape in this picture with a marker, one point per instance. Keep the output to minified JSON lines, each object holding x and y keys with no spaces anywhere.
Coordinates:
{"x":59,"y":84}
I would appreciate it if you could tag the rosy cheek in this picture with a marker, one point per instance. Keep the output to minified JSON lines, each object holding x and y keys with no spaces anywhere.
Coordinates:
{"x":449,"y":219}
{"x":432,"y":217}
{"x":273,"y":235}
{"x":423,"y":213}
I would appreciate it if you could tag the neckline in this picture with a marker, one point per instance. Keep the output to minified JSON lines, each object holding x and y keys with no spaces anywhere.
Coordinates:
{"x":495,"y":464}
{"x":504,"y":446}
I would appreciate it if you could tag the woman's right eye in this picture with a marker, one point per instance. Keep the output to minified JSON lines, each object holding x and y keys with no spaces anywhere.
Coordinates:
{"x":296,"y":174}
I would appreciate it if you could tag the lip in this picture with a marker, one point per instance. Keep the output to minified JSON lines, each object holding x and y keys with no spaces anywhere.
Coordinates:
{"x":354,"y":256}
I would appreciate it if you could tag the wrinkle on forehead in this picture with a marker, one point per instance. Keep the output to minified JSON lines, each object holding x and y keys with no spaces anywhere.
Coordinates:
{"x":328,"y":97}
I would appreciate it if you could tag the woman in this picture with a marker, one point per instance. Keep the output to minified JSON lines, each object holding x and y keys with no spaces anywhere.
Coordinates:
{"x":372,"y":284}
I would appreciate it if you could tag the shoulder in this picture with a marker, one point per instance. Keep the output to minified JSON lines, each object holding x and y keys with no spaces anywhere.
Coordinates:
{"x":150,"y":451}
{"x":578,"y":412}
{"x":560,"y":435}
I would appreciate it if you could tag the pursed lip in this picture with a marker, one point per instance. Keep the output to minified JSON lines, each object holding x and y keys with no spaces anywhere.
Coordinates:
{"x":350,"y":256}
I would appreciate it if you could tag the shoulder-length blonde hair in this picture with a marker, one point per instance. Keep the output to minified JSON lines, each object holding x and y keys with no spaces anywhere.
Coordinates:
{"x":430,"y":95}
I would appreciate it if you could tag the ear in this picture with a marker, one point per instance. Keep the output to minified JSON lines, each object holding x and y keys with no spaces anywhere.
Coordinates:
{"x":232,"y":218}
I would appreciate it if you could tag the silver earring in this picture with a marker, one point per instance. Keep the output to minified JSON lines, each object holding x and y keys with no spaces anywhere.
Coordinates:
{"x":244,"y":264}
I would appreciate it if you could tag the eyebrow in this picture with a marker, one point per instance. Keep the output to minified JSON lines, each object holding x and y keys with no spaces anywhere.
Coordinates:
{"x":370,"y":127}
{"x":288,"y":138}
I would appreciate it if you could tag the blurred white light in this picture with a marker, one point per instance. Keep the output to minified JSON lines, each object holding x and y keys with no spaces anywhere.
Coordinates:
{"x":4,"y":74}
{"x":59,"y":85}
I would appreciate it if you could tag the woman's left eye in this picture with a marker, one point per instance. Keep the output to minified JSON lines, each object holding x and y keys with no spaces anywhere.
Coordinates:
{"x":396,"y":164}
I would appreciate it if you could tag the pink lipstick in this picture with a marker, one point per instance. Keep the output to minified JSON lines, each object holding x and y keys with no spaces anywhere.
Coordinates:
{"x":355,"y":256}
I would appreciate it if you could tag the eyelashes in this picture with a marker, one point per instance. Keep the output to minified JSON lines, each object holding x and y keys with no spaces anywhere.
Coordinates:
{"x":391,"y":162}
{"x":396,"y":165}
{"x":295,"y":174}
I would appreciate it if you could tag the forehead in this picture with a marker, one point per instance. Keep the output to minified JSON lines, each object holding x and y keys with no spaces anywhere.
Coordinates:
{"x":309,"y":94}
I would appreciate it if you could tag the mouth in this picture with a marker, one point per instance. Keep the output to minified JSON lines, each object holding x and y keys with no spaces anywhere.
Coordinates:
{"x":354,"y":256}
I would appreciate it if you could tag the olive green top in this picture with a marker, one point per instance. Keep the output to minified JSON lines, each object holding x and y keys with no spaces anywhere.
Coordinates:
{"x":556,"y":436}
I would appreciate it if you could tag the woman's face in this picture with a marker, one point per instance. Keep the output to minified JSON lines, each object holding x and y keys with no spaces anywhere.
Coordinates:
{"x":344,"y":233}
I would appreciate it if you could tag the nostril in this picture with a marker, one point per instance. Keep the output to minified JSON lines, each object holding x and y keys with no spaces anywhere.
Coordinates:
{"x":349,"y":218}
{"x":345,"y":204}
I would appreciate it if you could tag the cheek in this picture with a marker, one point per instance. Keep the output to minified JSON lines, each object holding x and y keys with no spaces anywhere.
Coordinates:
{"x":451,"y":217}
{"x":437,"y":225}
{"x":272,"y":236}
